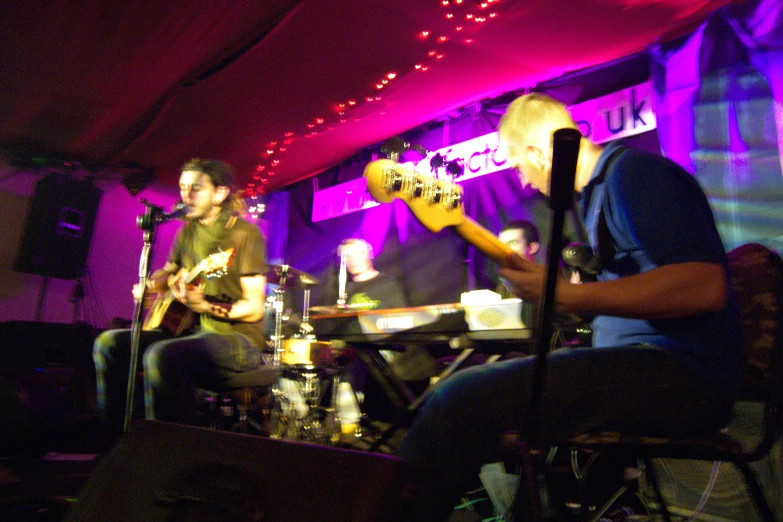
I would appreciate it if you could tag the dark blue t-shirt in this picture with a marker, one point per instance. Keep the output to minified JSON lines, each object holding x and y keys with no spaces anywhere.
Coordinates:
{"x":655,"y":213}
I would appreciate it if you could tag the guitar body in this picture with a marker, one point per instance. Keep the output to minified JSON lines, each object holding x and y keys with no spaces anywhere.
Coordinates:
{"x":169,"y":315}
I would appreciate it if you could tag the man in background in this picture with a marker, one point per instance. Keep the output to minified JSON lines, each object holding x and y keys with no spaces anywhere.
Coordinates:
{"x":521,"y":236}
{"x":364,"y":286}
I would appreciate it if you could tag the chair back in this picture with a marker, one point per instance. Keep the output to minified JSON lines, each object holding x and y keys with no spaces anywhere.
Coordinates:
{"x":756,"y":274}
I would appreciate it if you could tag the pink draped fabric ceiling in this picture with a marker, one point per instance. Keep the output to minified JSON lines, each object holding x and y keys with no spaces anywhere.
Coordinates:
{"x":284,"y":89}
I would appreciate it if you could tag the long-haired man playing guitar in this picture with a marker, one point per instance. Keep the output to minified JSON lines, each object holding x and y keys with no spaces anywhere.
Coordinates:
{"x":228,"y":336}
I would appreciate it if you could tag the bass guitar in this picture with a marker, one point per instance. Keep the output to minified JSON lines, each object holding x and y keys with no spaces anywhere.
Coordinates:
{"x":173,"y":316}
{"x":436,"y":203}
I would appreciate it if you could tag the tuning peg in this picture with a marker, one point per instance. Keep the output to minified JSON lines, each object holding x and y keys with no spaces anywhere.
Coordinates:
{"x":455,"y":168}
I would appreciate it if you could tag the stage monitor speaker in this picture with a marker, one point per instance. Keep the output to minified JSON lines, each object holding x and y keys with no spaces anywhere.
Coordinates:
{"x":37,"y":404}
{"x":165,"y":472}
{"x":59,"y":227}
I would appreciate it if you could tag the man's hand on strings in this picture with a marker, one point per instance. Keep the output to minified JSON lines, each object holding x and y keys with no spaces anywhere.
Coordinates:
{"x":191,"y":295}
{"x":525,"y":278}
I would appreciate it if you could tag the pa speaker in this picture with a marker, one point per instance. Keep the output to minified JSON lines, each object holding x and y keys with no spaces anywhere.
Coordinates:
{"x":163,"y":472}
{"x":59,"y":228}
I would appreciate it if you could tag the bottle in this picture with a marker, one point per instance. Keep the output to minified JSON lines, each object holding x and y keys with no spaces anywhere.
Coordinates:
{"x":332,"y":421}
{"x":332,"y":427}
{"x":227,"y":412}
{"x":349,"y":413}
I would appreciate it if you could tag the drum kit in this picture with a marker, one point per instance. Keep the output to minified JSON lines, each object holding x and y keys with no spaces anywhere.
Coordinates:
{"x":308,"y":370}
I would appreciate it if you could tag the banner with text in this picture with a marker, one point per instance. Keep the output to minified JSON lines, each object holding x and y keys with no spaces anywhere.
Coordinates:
{"x":617,"y":115}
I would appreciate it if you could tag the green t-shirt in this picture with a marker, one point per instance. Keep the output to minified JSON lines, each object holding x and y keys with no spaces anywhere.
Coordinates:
{"x":196,"y":242}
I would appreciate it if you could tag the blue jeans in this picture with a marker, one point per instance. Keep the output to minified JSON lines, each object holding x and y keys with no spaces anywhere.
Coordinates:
{"x":634,"y":389}
{"x":173,"y":369}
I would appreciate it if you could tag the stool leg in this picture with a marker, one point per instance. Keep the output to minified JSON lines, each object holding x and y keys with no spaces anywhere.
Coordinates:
{"x":245,"y":403}
{"x":208,"y":409}
{"x":266,"y":404}
{"x":651,"y":476}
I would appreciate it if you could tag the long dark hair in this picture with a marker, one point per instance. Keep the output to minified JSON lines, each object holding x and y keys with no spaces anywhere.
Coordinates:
{"x":222,"y":175}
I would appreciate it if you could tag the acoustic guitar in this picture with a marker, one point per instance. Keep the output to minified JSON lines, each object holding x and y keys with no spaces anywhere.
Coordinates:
{"x":173,"y":316}
{"x":436,"y":203}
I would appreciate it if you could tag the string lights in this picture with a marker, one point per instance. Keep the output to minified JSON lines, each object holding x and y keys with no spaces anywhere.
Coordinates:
{"x":462,"y":19}
{"x":255,"y":208}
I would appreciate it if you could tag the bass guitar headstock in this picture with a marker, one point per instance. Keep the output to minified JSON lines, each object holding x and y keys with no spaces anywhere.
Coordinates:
{"x":436,"y":203}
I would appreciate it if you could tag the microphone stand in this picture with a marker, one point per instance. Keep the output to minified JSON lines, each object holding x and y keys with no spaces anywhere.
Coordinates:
{"x":565,"y":153}
{"x":147,"y":222}
{"x":342,"y":281}
{"x":277,"y":356}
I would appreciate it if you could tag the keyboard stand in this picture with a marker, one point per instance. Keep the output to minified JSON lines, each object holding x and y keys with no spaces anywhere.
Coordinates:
{"x":398,"y":393}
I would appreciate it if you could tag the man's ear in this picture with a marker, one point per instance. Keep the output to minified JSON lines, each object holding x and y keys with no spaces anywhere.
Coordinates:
{"x":221,"y":193}
{"x":535,"y":156}
{"x":534,"y":247}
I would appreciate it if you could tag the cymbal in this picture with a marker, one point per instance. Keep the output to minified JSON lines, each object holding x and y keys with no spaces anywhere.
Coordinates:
{"x":290,"y":276}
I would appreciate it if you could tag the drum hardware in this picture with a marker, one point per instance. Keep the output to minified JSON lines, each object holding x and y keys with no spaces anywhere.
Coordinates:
{"x":300,"y":413}
{"x":289,"y":277}
{"x":295,"y":408}
{"x":307,"y":351}
{"x":305,"y":329}
{"x":306,"y":366}
{"x":285,"y":276}
{"x":342,"y":280}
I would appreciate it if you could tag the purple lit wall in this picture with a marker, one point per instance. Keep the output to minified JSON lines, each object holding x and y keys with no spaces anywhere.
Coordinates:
{"x":112,"y":263}
{"x":720,"y":114}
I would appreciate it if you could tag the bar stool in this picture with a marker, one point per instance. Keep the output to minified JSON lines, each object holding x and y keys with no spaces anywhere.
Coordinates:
{"x":245,"y":386}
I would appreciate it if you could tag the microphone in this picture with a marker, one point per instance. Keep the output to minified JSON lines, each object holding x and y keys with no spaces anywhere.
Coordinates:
{"x":579,"y":255}
{"x":156,"y":216}
{"x":179,"y":210}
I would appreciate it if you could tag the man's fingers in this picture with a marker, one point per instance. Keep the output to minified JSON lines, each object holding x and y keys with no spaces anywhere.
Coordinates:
{"x":515,"y":261}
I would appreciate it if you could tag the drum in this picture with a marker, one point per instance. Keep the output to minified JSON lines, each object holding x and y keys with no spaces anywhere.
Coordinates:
{"x":299,"y":351}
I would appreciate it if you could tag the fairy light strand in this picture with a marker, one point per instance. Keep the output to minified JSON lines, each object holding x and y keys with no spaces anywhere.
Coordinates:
{"x":459,"y":23}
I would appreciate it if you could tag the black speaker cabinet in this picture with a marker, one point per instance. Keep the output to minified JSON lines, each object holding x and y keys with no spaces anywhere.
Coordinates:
{"x":59,"y":228}
{"x":161,"y":471}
